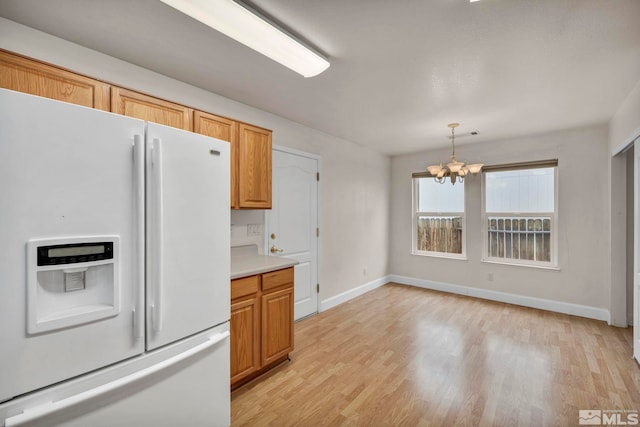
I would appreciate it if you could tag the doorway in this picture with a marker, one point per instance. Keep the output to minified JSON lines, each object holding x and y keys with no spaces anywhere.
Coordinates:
{"x":292,"y":228}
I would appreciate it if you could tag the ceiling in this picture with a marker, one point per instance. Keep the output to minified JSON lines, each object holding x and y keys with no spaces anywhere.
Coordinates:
{"x":400,"y":71}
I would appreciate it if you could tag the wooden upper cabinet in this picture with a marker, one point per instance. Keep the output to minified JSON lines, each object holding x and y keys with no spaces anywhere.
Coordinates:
{"x":226,"y":130}
{"x":215,"y":126}
{"x":36,"y":78}
{"x":145,"y":107}
{"x":250,"y":145}
{"x":254,"y":167}
{"x":250,"y":158}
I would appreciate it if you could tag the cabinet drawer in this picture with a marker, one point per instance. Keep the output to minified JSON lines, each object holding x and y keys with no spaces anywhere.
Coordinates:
{"x":245,"y":286}
{"x":277,"y":278}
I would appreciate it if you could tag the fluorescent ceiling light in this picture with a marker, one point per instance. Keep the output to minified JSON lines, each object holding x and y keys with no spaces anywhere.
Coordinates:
{"x":244,"y":26}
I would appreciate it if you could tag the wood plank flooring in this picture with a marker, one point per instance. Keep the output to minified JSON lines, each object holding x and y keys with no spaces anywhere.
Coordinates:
{"x":405,"y":356}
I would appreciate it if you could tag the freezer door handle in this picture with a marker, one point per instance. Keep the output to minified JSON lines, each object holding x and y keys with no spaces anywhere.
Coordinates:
{"x":138,"y":170}
{"x":42,"y":411}
{"x":156,"y":305}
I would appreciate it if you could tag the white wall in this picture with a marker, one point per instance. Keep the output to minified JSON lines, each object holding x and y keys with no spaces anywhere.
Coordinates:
{"x":355,"y":180}
{"x":240,"y":235}
{"x":583,"y":220}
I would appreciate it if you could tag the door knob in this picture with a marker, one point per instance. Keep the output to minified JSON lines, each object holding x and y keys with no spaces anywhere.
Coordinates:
{"x":275,"y":250}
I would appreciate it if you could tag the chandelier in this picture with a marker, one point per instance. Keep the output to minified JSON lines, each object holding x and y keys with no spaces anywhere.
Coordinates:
{"x":453,"y":169}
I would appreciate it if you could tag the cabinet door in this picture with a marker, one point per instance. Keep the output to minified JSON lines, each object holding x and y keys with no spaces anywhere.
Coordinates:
{"x":145,"y":107}
{"x":226,"y":130}
{"x":277,"y":325}
{"x":35,"y":78}
{"x":254,"y":167}
{"x":245,"y":338}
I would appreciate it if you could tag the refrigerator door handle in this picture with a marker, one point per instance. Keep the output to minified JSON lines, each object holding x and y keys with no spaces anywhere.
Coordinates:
{"x":49,"y":408}
{"x":138,"y":171}
{"x":156,"y":281}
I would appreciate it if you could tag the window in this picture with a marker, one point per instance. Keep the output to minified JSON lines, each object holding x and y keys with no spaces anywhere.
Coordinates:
{"x":520,"y":214}
{"x":439,"y":222}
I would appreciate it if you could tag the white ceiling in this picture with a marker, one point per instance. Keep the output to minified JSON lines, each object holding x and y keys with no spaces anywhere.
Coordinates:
{"x":400,"y":70}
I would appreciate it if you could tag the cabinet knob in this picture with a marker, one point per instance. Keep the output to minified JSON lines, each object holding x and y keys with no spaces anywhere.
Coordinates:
{"x":273,"y":235}
{"x":275,"y":250}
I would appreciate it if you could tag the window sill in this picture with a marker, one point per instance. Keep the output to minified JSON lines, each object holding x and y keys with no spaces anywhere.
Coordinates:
{"x":515,"y":264}
{"x":440,"y":255}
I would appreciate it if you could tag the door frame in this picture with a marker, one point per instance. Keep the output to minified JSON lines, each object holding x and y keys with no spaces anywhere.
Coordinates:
{"x":618,"y":185}
{"x":318,"y":158}
{"x":636,"y":253}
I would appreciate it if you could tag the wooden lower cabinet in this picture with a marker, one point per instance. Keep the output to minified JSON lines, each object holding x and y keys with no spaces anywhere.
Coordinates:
{"x":261,"y":323}
{"x":245,"y":341}
{"x":277,"y":325}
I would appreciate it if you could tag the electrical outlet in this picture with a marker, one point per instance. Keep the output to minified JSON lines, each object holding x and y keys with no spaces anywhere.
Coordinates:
{"x":254,"y":229}
{"x":490,"y":277}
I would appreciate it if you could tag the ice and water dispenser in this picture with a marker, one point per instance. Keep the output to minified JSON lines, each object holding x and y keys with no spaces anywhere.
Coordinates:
{"x":71,"y":281}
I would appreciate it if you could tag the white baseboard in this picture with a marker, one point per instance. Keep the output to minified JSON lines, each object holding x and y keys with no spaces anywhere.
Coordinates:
{"x":352,"y":293}
{"x":526,"y":301}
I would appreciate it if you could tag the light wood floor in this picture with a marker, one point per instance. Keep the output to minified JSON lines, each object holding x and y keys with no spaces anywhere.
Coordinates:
{"x":404,"y":356}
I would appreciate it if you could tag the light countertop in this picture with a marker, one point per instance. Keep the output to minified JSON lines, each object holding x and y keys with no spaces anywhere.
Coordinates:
{"x":245,"y":261}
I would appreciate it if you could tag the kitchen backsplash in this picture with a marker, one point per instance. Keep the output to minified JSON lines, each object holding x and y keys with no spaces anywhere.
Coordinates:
{"x":247,"y":228}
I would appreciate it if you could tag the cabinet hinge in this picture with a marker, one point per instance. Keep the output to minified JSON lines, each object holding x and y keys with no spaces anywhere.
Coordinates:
{"x":318,"y":288}
{"x":317,"y":232}
{"x":317,"y":176}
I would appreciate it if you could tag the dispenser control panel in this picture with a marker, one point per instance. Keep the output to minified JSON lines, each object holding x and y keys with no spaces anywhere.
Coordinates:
{"x":74,"y":253}
{"x":72,"y":281}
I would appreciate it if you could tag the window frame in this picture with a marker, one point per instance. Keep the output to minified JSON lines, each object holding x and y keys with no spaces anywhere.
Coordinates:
{"x":416,"y":215}
{"x":552,"y":264}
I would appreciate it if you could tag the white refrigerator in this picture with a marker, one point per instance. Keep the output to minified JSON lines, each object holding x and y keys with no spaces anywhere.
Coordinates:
{"x":114,"y":270}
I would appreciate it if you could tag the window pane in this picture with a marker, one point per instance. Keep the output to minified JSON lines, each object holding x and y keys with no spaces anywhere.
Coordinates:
{"x":434,"y":197}
{"x":516,"y":246}
{"x":523,"y":238}
{"x":529,"y":190}
{"x":440,"y":234}
{"x":523,"y":245}
{"x":546,"y":256}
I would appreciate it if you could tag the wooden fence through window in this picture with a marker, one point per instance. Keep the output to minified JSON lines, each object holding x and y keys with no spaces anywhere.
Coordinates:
{"x":520,"y":238}
{"x":440,"y":234}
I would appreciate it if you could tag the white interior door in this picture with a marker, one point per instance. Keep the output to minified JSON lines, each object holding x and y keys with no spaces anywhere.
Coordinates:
{"x":292,"y":224}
